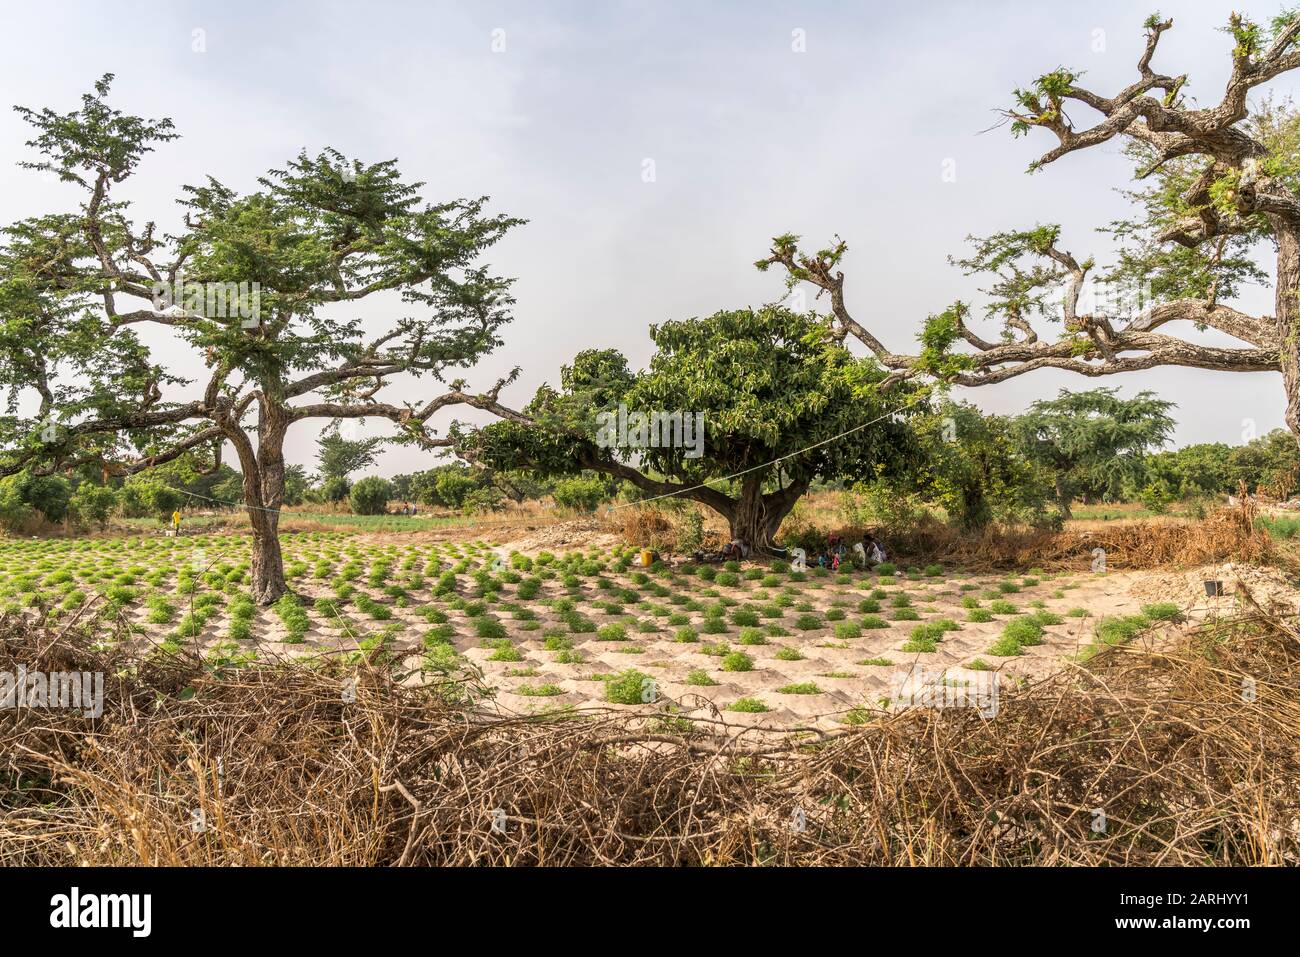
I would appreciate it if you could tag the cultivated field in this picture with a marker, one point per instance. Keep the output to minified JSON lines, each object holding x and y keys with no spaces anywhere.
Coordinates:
{"x":538,"y":631}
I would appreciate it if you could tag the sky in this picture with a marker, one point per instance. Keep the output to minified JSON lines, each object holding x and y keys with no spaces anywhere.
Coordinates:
{"x":870,"y":121}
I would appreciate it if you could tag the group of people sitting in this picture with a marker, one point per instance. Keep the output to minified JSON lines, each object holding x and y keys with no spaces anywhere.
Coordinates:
{"x":869,"y":551}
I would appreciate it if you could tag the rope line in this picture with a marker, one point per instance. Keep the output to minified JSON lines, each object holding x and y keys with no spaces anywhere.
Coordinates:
{"x":763,"y":465}
{"x":644,"y":501}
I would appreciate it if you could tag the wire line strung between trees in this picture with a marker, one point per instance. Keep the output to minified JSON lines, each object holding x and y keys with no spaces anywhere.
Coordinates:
{"x":727,"y":478}
{"x":612,"y":508}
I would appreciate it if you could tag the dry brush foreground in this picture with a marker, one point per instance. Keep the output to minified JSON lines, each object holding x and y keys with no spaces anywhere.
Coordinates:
{"x":282,"y":768}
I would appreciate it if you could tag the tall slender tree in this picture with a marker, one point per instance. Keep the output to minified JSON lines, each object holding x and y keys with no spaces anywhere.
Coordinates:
{"x":263,"y":285}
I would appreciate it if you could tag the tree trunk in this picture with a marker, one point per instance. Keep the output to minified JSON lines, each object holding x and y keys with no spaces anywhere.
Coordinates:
{"x":1287,"y":305}
{"x":263,"y":496}
{"x":747,"y":519}
{"x":1064,"y":497}
{"x":755,"y":518}
{"x":268,"y":564}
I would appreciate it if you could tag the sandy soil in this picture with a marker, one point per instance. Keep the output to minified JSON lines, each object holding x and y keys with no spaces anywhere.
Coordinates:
{"x":868,"y":671}
{"x":804,"y":677}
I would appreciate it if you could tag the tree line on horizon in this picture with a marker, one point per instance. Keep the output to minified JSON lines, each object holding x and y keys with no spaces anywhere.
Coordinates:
{"x":1081,"y":447}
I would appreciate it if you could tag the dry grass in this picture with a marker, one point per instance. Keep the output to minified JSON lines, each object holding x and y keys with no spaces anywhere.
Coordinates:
{"x":1226,"y":535}
{"x":648,"y":526}
{"x":1186,"y":768}
{"x":1229,"y":534}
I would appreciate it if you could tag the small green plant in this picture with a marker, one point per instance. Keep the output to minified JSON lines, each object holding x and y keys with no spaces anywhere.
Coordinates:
{"x":923,"y":640}
{"x":699,"y":678}
{"x":611,"y":632}
{"x":1025,"y":631}
{"x":489,"y":629}
{"x":805,"y":687}
{"x":504,"y":650}
{"x":748,"y":706}
{"x":1005,"y":647}
{"x":1117,"y":630}
{"x":847,"y":630}
{"x":737,"y":661}
{"x":1163,"y":611}
{"x":630,"y":687}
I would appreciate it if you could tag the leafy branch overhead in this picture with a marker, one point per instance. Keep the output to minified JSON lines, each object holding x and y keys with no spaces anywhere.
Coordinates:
{"x":1210,"y":183}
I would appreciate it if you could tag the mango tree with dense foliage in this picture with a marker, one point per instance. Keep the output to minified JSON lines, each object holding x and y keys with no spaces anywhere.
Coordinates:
{"x":776,"y":389}
{"x":265,"y":286}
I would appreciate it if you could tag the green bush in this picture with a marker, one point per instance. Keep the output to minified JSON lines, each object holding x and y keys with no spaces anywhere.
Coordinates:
{"x":371,"y":496}
{"x":335,"y":489}
{"x":630,"y":687}
{"x":737,"y":661}
{"x":91,"y":504}
{"x":48,"y":494}
{"x":581,"y":494}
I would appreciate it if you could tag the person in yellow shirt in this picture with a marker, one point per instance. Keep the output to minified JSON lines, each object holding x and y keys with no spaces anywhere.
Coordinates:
{"x":176,"y":522}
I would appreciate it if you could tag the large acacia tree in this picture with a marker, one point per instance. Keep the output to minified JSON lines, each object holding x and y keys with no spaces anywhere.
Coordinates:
{"x":318,"y":237}
{"x":776,"y":389}
{"x":1212,"y":180}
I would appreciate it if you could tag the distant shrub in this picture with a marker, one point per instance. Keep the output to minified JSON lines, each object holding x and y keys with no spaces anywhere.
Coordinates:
{"x":581,"y":493}
{"x":371,"y":496}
